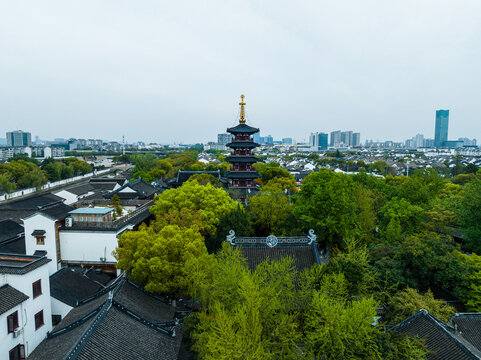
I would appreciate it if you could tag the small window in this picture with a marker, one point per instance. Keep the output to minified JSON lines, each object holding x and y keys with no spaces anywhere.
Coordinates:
{"x":17,"y":353}
{"x":40,"y":240}
{"x":37,"y":288}
{"x":56,"y":319}
{"x":39,"y":319}
{"x":12,"y":322}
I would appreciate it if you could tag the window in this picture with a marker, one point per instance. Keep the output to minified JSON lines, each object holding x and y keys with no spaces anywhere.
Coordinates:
{"x":40,"y":240}
{"x":39,"y":319}
{"x":37,"y":288}
{"x":12,"y":322}
{"x":17,"y":353}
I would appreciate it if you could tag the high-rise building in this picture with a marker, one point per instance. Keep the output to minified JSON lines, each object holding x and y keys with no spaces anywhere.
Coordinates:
{"x":269,"y":139}
{"x":441,"y":129}
{"x":419,"y":140}
{"x":319,"y":140}
{"x":287,"y":141}
{"x":429,"y":143}
{"x":356,"y":139}
{"x":19,"y":138}
{"x":346,"y":138}
{"x":336,"y":138}
{"x":223,"y":139}
{"x":468,"y":142}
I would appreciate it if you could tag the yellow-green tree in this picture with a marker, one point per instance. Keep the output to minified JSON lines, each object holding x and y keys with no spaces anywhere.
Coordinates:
{"x":156,"y":260}
{"x":212,"y":202}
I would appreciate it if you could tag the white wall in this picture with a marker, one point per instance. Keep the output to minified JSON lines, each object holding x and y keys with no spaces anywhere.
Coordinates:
{"x":7,"y":341}
{"x":88,"y":246}
{"x":59,"y":308}
{"x":30,"y":337}
{"x":41,"y":222}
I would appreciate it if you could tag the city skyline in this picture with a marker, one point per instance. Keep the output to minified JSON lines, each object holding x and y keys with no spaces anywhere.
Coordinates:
{"x":113,"y":69}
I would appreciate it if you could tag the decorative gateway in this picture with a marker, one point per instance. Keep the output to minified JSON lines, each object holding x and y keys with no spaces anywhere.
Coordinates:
{"x":304,"y":250}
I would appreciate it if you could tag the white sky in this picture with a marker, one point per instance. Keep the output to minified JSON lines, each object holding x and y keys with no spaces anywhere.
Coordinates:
{"x":170,"y":71}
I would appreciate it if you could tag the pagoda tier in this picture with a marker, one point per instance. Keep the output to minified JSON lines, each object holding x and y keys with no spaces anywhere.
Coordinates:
{"x":242,"y":173}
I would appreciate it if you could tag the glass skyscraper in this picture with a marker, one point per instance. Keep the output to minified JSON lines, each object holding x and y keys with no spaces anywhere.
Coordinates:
{"x":441,"y":129}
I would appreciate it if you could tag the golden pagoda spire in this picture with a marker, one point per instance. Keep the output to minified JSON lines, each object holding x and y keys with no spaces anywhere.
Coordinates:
{"x":242,"y":119}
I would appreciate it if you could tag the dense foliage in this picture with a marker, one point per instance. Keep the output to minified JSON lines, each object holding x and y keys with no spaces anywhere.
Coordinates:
{"x":23,"y":172}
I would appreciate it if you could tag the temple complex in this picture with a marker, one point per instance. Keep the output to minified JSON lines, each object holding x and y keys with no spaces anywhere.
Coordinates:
{"x":242,"y":174}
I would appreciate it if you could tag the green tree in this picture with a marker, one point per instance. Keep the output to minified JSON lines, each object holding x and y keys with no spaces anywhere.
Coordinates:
{"x":212,"y":202}
{"x":272,"y":210}
{"x":469,"y":212}
{"x":407,"y":302}
{"x":6,"y":184}
{"x":399,"y":218}
{"x":204,"y":179}
{"x":270,"y":171}
{"x":326,"y":204}
{"x":285,"y":183}
{"x":156,"y":260}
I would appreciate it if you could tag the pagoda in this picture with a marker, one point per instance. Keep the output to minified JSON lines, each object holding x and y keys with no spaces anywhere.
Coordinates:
{"x":242,"y":174}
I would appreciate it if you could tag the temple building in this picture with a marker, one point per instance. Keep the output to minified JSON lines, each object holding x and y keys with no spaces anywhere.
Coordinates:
{"x":242,"y":174}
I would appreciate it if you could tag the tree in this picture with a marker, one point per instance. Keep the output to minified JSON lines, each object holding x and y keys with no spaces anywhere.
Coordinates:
{"x":326,"y":204}
{"x":156,"y":260}
{"x":469,"y":212}
{"x":407,"y":302}
{"x":271,"y":171}
{"x":398,"y":218}
{"x":212,"y":202}
{"x":204,"y":179}
{"x":6,"y":184}
{"x":285,"y":183}
{"x":272,"y":210}
{"x":239,"y":220}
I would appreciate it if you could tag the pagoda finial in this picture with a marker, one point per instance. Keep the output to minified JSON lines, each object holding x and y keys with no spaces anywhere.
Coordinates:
{"x":242,"y":119}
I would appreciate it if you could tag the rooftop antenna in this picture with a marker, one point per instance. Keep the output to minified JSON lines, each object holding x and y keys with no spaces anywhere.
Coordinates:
{"x":242,"y":119}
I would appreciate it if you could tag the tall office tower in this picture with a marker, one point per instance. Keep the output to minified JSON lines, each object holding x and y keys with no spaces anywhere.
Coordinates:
{"x":336,"y":138}
{"x":441,"y":129}
{"x":322,"y":141}
{"x":223,"y":139}
{"x":19,"y":138}
{"x":287,"y":141}
{"x":269,"y":139}
{"x":313,"y":139}
{"x":419,"y":140}
{"x":346,"y":138}
{"x":356,"y":139}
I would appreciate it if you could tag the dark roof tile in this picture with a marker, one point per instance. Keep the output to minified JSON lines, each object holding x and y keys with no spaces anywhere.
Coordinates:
{"x":10,"y":297}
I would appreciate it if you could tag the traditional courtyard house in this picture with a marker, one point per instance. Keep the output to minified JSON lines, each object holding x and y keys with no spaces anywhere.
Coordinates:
{"x":42,"y":233}
{"x":122,"y":321}
{"x":12,"y":238}
{"x":70,"y":285}
{"x":302,"y":249}
{"x":19,"y":209}
{"x":25,"y":315}
{"x":462,"y":341}
{"x":76,"y":193}
{"x":90,"y":234}
{"x":241,"y":175}
{"x":137,"y":189}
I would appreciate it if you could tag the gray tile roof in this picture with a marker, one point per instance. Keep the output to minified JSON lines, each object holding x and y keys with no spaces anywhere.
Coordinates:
{"x":20,"y":264}
{"x":302,"y":249}
{"x":440,"y":338}
{"x":81,"y":189}
{"x":70,"y":285}
{"x":122,"y":322}
{"x":9,"y":229}
{"x":469,"y":327}
{"x":10,"y":297}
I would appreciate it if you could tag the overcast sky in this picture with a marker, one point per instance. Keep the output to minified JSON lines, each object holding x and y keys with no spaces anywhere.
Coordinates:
{"x":171,"y":71}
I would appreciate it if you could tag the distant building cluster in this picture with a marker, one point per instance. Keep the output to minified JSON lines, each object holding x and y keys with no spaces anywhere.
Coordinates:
{"x":345,"y":139}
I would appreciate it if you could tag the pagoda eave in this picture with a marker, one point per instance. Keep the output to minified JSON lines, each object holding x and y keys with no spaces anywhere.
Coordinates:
{"x":242,"y":175}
